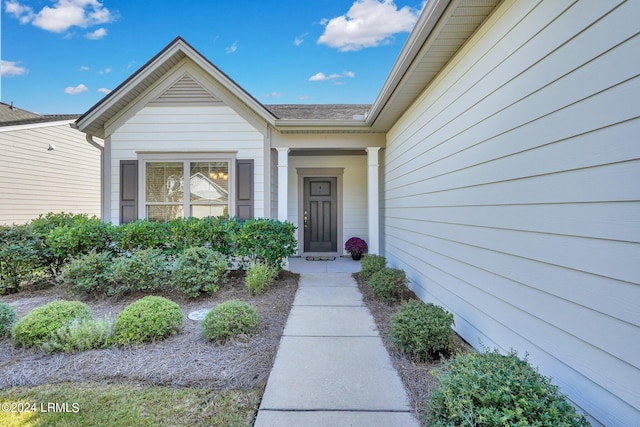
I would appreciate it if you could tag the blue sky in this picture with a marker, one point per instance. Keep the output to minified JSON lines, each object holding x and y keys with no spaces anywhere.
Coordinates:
{"x":63,"y":56}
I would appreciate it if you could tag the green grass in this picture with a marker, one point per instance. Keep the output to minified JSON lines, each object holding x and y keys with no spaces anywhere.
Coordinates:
{"x":118,"y":405}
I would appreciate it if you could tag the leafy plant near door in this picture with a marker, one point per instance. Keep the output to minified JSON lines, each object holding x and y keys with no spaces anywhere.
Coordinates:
{"x":356,"y":247}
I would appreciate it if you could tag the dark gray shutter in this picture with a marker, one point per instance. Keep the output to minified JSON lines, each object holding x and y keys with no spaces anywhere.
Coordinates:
{"x":244,"y":188}
{"x":128,"y":191}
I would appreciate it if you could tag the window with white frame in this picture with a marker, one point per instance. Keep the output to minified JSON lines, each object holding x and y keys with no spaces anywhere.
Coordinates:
{"x":168,"y":195}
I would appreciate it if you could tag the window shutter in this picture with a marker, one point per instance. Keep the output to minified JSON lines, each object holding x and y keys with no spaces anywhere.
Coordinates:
{"x":128,"y":191}
{"x":244,"y":189}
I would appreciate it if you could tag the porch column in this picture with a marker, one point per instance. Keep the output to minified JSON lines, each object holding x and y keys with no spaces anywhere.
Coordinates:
{"x":283,"y":182}
{"x":372,"y":200}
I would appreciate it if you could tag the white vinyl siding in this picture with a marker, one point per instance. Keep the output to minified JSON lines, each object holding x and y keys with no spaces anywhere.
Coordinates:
{"x":188,"y":129}
{"x":35,"y":180}
{"x":510,"y":195}
{"x":354,"y":192}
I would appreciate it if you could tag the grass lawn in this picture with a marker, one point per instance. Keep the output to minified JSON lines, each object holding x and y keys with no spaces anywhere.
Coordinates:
{"x":114,"y":405}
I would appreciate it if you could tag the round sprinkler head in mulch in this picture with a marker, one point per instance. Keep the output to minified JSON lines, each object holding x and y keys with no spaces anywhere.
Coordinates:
{"x":199,"y":315}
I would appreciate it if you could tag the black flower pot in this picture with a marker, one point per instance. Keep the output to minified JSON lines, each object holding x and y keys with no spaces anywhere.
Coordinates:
{"x":356,"y":256}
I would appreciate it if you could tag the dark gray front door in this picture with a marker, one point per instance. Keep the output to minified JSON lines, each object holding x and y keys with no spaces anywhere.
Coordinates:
{"x":320,"y":215}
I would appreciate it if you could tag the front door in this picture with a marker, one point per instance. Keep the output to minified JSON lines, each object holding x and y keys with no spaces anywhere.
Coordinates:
{"x":320,"y":214}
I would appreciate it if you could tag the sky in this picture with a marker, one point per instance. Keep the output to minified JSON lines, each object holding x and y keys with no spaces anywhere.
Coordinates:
{"x":63,"y":56}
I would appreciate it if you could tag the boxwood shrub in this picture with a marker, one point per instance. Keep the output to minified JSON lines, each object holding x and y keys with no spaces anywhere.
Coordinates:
{"x":145,"y":270}
{"x":230,"y":319}
{"x":141,"y":234}
{"x":266,"y":241}
{"x":7,"y":319}
{"x":371,"y":264}
{"x":198,"y":270}
{"x":82,"y":236}
{"x":491,"y":389}
{"x":423,"y":330}
{"x":148,"y":319}
{"x":388,"y":284}
{"x":36,"y":328}
{"x":20,"y":257}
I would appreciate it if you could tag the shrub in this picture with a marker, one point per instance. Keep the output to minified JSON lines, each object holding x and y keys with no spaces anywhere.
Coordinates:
{"x":7,"y":319}
{"x":229,"y":319}
{"x":388,"y":284}
{"x":267,"y":241}
{"x":42,"y":226}
{"x":82,"y":236}
{"x":20,"y":263}
{"x":145,"y":270}
{"x":80,"y":335}
{"x":90,"y":273}
{"x":199,"y":269}
{"x":141,"y":234}
{"x":491,"y":389}
{"x":148,"y":319}
{"x":259,"y":277}
{"x":211,"y":232}
{"x":423,"y":330}
{"x":371,"y":264}
{"x":34,"y":329}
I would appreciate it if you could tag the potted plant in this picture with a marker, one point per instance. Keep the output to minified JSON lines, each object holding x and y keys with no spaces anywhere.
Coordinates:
{"x":356,"y":246}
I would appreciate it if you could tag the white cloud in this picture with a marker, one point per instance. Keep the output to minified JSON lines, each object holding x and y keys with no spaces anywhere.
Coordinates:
{"x":231,"y":49}
{"x":300,"y":39}
{"x":368,"y":23}
{"x":10,"y":68}
{"x":105,"y":71}
{"x":97,"y":34}
{"x":104,"y":90}
{"x":63,"y":15}
{"x":84,"y":68}
{"x":303,"y":97}
{"x":76,"y":90}
{"x":318,"y":77}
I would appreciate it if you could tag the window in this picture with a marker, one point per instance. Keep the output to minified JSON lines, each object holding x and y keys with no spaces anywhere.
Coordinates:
{"x":168,"y":195}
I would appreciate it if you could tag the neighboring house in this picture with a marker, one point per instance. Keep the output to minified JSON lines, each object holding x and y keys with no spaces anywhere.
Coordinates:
{"x":499,"y":167}
{"x":45,"y":166}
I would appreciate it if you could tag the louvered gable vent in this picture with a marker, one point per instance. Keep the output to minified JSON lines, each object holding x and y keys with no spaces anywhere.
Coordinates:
{"x":186,"y":90}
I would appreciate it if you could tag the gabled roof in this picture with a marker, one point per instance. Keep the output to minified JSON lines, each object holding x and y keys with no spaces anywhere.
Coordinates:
{"x":443,"y":27}
{"x":94,"y":120}
{"x":11,"y":115}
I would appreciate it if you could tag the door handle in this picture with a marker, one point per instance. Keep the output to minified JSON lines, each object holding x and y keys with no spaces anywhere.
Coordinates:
{"x":305,"y":219}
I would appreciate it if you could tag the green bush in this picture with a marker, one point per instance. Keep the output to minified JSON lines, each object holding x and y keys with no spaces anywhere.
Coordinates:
{"x":491,"y":389}
{"x":7,"y":319}
{"x":388,"y":284}
{"x":145,"y":270}
{"x":371,"y":264}
{"x":34,"y":329}
{"x":229,"y":319}
{"x":148,"y":319}
{"x":80,"y":335}
{"x":80,"y":237}
{"x":42,"y":226}
{"x":141,"y":234}
{"x":423,"y":330}
{"x":266,"y":241}
{"x":259,"y":277}
{"x":199,"y":269}
{"x":20,"y":262}
{"x":211,"y":232}
{"x":90,"y":273}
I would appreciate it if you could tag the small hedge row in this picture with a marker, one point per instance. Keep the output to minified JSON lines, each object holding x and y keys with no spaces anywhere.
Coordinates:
{"x":40,"y":249}
{"x":69,"y":325}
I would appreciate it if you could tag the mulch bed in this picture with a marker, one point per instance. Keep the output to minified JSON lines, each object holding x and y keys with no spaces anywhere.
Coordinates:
{"x":184,"y":360}
{"x":418,"y":378}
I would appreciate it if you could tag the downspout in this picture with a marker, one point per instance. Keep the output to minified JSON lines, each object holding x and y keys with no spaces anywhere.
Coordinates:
{"x":90,"y":140}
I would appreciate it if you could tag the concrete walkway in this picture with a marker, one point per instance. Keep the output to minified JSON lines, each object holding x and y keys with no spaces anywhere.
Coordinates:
{"x":332,"y":368}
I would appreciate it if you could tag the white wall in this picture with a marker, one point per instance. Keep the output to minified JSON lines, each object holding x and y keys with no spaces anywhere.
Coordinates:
{"x":354,"y":191}
{"x":180,"y":129}
{"x":511,"y":195}
{"x":35,"y":180}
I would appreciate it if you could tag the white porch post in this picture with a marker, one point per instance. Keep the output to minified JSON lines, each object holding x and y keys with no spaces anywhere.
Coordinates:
{"x":283,"y":182}
{"x":372,"y":199}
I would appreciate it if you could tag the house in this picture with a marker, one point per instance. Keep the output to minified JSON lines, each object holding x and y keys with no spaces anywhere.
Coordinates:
{"x":499,"y":166}
{"x":45,"y":166}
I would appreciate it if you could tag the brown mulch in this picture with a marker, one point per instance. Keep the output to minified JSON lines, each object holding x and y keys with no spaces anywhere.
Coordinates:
{"x":184,"y":360}
{"x":418,"y":377}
